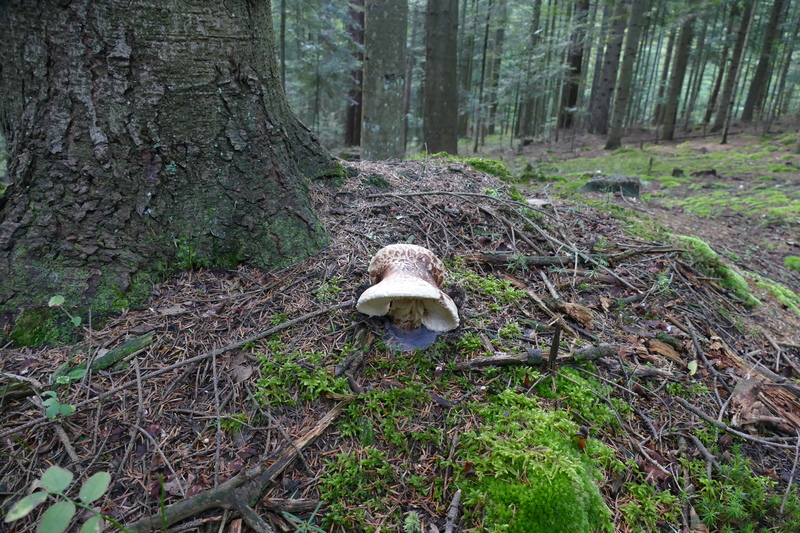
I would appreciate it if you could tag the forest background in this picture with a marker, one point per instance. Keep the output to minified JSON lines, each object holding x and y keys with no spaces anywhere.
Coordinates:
{"x":527,"y":69}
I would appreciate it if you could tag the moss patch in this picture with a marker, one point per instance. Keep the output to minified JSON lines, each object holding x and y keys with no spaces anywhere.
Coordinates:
{"x":530,"y":475}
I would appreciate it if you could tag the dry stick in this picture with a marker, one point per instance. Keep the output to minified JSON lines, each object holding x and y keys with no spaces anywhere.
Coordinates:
{"x":452,"y":512}
{"x":245,"y":488}
{"x":44,"y":420}
{"x":791,"y":477}
{"x":139,"y":416}
{"x":702,"y":355}
{"x":163,"y":458}
{"x":725,"y":427}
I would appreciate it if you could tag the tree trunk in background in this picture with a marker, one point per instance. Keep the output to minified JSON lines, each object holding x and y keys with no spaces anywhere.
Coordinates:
{"x":698,"y":71}
{"x":385,"y":25}
{"x":352,"y":123}
{"x":572,"y":79}
{"x":131,"y":134}
{"x":736,"y":56}
{"x":755,"y":96}
{"x":440,"y":105}
{"x":479,"y":111}
{"x":601,"y":105}
{"x":712,"y":100}
{"x":466,"y":60}
{"x":497,"y":57}
{"x":682,"y":51}
{"x":658,"y":114}
{"x":417,"y":21}
{"x":624,"y":82}
{"x":528,"y":106}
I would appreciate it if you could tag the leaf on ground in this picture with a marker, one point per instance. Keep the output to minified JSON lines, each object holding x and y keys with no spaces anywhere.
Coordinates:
{"x":57,"y":518}
{"x":56,"y":479}
{"x":95,"y":487}
{"x":27,"y":504}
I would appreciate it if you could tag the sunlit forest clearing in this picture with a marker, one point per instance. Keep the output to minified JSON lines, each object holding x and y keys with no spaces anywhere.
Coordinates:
{"x":592,"y":216}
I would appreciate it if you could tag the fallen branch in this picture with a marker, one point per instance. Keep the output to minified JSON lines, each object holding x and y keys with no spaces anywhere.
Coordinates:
{"x":534,"y":357}
{"x":241,"y":492}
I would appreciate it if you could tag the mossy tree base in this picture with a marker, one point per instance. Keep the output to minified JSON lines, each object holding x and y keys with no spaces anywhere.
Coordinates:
{"x":138,"y":160}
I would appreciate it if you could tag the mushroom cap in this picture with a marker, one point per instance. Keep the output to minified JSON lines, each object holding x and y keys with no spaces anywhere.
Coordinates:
{"x":406,"y":282}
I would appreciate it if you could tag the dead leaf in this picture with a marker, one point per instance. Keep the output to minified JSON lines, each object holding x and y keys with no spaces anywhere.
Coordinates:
{"x":176,"y":309}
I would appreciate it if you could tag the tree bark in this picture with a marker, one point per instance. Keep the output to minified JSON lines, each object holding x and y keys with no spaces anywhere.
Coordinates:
{"x":385,"y":27}
{"x":658,"y":114}
{"x":682,"y":50}
{"x":572,"y":79}
{"x":352,"y":127}
{"x":601,"y":105}
{"x":134,"y":139}
{"x":625,"y":80}
{"x":736,"y":56}
{"x":712,"y":100}
{"x":755,"y":96}
{"x":440,"y":107}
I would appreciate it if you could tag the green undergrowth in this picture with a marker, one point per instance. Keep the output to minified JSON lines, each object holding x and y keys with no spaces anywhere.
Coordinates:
{"x":527,"y":472}
{"x":728,"y":277}
{"x":792,"y":262}
{"x":290,"y":377}
{"x":760,"y":194}
{"x":737,"y":500}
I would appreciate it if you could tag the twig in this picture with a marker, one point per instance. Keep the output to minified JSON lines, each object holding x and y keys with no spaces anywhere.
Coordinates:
{"x":725,"y":427}
{"x":791,"y":476}
{"x":452,"y":512}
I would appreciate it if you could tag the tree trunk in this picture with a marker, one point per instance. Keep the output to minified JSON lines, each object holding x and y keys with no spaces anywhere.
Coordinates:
{"x":624,"y":82}
{"x":736,"y":56}
{"x":608,"y":78}
{"x":134,"y":140}
{"x":440,"y":106}
{"x":525,"y":124}
{"x":572,"y":79}
{"x":352,"y":123}
{"x":479,"y":112}
{"x":712,"y":100}
{"x":658,"y":114}
{"x":497,"y":56}
{"x":682,"y":51}
{"x":755,"y":96}
{"x":384,"y":78}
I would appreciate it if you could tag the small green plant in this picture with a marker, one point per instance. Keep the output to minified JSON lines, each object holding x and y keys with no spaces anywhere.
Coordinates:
{"x":54,"y":408}
{"x":328,"y":290}
{"x":412,"y":523}
{"x":792,"y":262}
{"x":687,"y":390}
{"x":187,"y":257}
{"x":57,"y":518}
{"x":647,"y":507}
{"x":469,"y":342}
{"x":233,"y":423}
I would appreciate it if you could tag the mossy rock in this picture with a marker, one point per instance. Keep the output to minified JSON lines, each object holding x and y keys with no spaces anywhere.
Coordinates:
{"x":530,"y":473}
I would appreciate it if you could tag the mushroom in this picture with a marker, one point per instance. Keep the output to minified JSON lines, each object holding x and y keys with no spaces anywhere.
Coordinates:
{"x":406,"y":285}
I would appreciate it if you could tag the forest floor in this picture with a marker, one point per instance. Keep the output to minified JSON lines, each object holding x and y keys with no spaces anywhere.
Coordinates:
{"x":672,"y":404}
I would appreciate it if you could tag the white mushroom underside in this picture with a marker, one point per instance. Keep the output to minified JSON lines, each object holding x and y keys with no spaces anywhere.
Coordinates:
{"x":410,"y":302}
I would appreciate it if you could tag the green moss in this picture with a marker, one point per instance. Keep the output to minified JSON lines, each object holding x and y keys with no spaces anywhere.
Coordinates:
{"x":490,"y":166}
{"x":792,"y":262}
{"x":729,"y":278}
{"x":530,"y":474}
{"x":779,"y":292}
{"x":43,"y":326}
